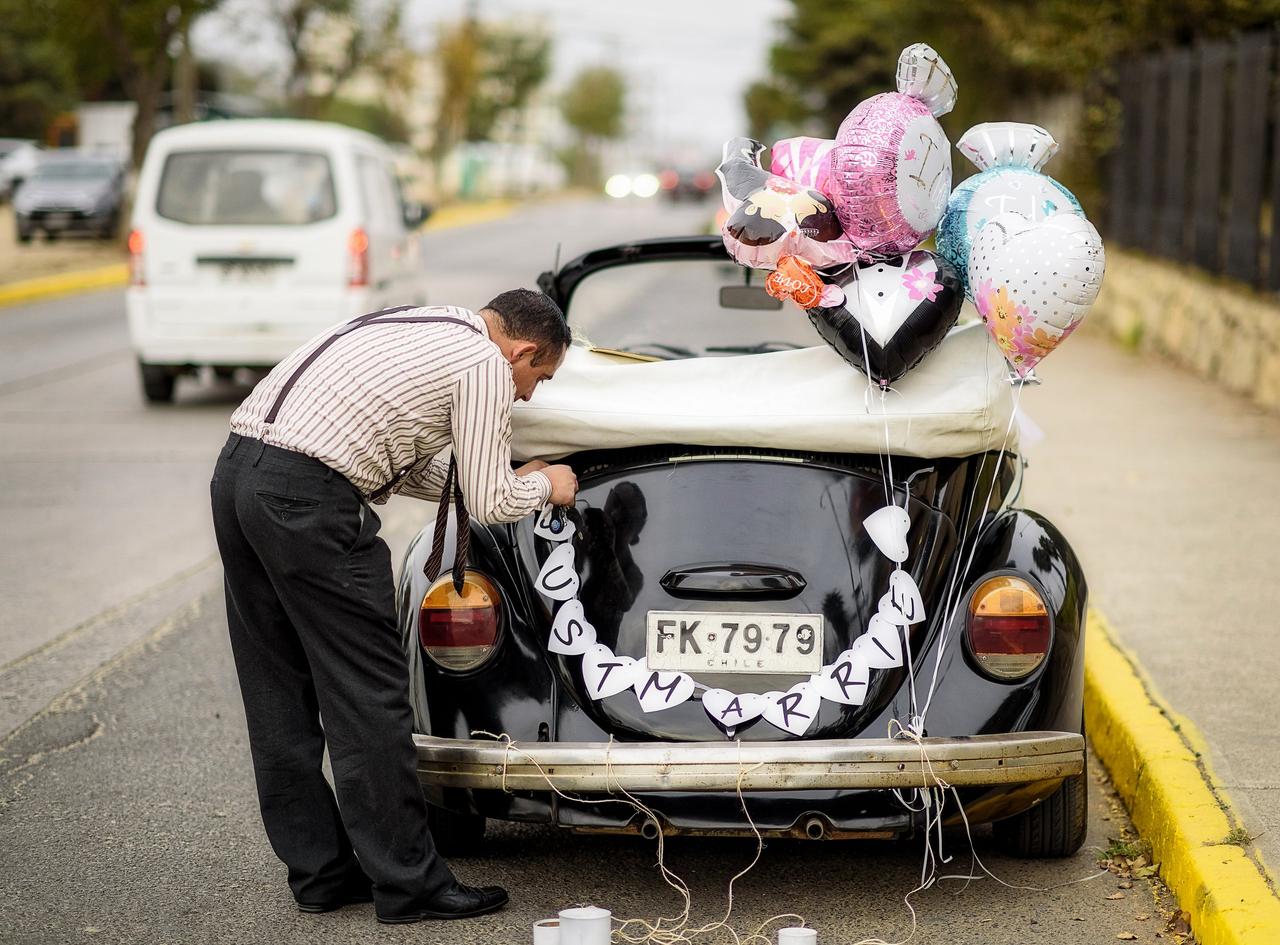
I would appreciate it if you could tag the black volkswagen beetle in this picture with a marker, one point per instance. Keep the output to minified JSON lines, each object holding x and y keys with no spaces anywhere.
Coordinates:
{"x":717,"y":561}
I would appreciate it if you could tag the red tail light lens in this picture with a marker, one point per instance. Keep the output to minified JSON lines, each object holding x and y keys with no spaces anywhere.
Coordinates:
{"x":137,"y":275}
{"x":1009,"y":627}
{"x":358,"y":258}
{"x":458,"y":631}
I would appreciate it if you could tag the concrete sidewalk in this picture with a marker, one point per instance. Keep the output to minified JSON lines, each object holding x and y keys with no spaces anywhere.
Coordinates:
{"x":1165,"y":486}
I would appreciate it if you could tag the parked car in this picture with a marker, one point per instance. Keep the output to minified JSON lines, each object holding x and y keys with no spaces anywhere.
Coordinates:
{"x":18,"y":158}
{"x":70,"y":192}
{"x":250,"y":236}
{"x":726,"y":461}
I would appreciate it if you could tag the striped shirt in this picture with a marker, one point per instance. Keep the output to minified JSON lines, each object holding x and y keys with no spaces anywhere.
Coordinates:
{"x":386,"y":397}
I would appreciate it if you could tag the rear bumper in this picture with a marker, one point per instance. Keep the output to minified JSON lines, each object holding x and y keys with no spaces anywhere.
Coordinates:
{"x":981,"y":760}
{"x":187,"y":327}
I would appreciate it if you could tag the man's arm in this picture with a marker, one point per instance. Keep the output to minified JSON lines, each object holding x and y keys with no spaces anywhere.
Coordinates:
{"x":481,"y":422}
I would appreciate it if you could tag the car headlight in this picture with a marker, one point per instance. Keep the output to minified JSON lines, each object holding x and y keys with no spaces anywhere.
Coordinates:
{"x":1009,"y":627}
{"x":459,"y":631}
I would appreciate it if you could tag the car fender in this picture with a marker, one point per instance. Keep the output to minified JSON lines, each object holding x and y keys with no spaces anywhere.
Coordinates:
{"x":1051,"y":698}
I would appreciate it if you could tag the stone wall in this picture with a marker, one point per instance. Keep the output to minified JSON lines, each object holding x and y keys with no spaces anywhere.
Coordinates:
{"x":1217,"y":328}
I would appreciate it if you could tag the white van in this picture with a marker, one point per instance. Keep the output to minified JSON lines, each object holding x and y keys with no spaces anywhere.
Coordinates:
{"x":250,"y":236}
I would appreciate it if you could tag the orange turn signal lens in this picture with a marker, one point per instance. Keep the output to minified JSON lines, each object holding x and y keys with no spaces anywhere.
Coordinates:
{"x":458,"y":631}
{"x":1009,"y":627}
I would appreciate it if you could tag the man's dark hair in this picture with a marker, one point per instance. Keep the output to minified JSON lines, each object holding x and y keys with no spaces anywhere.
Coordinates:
{"x":531,"y":316}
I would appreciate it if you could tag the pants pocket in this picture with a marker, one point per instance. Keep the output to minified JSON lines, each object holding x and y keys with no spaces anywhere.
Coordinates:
{"x":285,"y":503}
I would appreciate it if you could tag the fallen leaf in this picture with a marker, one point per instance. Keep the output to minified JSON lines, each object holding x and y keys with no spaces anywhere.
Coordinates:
{"x":1180,"y":924}
{"x":1125,"y":885}
{"x":1116,"y":895}
{"x":1142,"y":916}
{"x":1127,"y":937}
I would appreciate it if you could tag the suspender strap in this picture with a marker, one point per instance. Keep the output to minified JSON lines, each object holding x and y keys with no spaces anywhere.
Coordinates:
{"x":452,"y":486}
{"x":361,"y":322}
{"x":463,"y":541}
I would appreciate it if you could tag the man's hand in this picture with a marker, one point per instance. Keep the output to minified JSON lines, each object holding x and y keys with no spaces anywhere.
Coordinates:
{"x":564,"y":484}
{"x":536,"y":465}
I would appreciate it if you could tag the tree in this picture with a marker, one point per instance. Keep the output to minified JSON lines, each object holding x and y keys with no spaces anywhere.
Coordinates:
{"x":595,"y":107}
{"x":1007,"y":55}
{"x":513,"y":65}
{"x":772,"y":111}
{"x":327,"y":41}
{"x":125,"y":43}
{"x":36,"y":81}
{"x":488,"y":73}
{"x":595,"y":103}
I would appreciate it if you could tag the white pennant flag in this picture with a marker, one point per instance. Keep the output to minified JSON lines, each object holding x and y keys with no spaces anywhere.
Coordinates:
{"x":902,"y":604}
{"x":558,"y":578}
{"x":732,"y":709}
{"x":793,"y":711}
{"x":883,"y":648}
{"x":846,"y":679}
{"x":888,"y":528}
{"x":658,"y":690}
{"x":605,"y":673}
{"x":571,"y":632}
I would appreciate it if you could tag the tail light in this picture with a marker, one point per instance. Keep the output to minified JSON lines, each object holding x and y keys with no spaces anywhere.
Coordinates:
{"x":459,"y":630}
{"x":358,"y":258}
{"x":137,"y":275}
{"x":1009,"y":627}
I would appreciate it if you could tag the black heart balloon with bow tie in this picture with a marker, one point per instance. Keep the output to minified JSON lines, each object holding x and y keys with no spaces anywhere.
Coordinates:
{"x":896,"y":311}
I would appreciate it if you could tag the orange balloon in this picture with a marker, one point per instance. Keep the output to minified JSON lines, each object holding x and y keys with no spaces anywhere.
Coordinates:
{"x":795,"y":279}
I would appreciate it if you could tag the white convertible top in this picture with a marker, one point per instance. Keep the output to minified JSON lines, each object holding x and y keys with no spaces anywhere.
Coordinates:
{"x":957,"y":402}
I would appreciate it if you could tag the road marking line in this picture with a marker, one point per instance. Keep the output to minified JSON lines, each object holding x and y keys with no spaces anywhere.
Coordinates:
{"x":1156,"y":759}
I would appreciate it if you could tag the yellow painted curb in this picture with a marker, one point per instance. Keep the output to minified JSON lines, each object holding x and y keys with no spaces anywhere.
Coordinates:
{"x":1157,"y":762}
{"x":468,"y":214}
{"x":109,"y":277}
{"x":66,"y":283}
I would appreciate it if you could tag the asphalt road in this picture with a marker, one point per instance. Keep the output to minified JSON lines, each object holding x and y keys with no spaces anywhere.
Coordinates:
{"x":127,"y":811}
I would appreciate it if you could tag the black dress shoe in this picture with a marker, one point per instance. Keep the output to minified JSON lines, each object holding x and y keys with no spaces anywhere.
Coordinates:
{"x":454,"y":902}
{"x":359,"y":889}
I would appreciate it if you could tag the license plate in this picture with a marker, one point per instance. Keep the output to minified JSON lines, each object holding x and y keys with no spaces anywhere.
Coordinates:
{"x":247,"y":273}
{"x":57,"y":221}
{"x":734,"y":643}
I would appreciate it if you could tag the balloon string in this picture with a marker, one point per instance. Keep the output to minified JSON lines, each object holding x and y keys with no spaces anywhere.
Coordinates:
{"x":662,"y":931}
{"x":953,"y":587}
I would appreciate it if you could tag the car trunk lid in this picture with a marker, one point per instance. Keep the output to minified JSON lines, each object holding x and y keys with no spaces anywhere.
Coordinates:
{"x":769,"y":540}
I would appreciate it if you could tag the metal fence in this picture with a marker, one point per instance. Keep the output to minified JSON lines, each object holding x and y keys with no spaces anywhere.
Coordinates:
{"x":1195,"y":175}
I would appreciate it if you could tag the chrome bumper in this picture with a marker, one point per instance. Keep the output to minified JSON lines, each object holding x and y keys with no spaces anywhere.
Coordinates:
{"x":983,"y":760}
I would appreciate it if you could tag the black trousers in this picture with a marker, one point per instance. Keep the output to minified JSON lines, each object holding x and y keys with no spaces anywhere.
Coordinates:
{"x":311,"y":611}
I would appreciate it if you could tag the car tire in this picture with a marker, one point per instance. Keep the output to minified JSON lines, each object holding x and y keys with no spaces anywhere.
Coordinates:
{"x":157,"y":383}
{"x":51,"y":235}
{"x":24,"y":236}
{"x":455,"y":834}
{"x":1054,"y":828}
